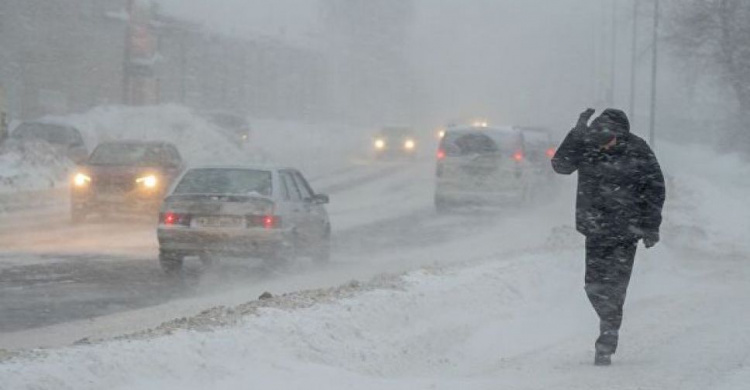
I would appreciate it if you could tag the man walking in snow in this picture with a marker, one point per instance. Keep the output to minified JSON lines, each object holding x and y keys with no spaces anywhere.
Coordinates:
{"x":619,"y":201}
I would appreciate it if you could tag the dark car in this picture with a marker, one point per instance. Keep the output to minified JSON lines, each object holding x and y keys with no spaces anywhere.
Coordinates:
{"x":124,"y":176}
{"x":395,"y":142}
{"x":234,"y":126}
{"x":539,"y":147}
{"x":66,"y":140}
{"x":248,"y":211}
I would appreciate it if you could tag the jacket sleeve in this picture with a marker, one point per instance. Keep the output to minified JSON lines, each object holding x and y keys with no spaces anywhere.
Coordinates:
{"x":569,"y":153}
{"x":653,"y":193}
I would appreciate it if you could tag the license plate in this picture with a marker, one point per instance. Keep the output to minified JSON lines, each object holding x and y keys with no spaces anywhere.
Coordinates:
{"x":219,"y":222}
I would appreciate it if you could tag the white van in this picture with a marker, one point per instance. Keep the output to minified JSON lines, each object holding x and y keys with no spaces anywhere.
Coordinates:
{"x":481,"y":165}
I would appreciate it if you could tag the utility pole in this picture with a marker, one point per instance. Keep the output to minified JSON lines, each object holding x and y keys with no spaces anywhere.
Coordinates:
{"x":634,"y":59}
{"x":654,"y":69}
{"x":602,"y":93}
{"x":127,"y":59}
{"x":613,"y":67}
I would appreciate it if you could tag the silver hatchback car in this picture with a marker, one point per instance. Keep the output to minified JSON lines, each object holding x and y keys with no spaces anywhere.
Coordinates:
{"x":481,"y":165}
{"x":269,"y":213}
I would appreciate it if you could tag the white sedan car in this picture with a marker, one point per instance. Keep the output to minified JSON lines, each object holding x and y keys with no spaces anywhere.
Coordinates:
{"x":265,"y":212}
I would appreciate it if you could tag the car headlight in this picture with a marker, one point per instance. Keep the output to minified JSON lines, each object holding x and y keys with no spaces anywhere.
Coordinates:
{"x":379,"y":144}
{"x":149,"y":181}
{"x":409,"y":144}
{"x":80,"y":180}
{"x":441,"y":134}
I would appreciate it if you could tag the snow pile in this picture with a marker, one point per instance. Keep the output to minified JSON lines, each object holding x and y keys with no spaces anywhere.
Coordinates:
{"x":311,"y":147}
{"x":31,"y":166}
{"x":706,"y":208}
{"x":314,"y":148}
{"x":429,"y":323}
{"x":519,"y":323}
{"x":198,"y":141}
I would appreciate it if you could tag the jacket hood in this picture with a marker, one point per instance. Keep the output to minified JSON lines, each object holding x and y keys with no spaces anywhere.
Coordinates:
{"x":614,"y":121}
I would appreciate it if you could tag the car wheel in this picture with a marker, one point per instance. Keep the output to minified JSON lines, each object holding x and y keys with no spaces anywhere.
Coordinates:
{"x":171,"y":262}
{"x":441,"y":206}
{"x":208,"y":260}
{"x":321,"y":253}
{"x":284,"y":252}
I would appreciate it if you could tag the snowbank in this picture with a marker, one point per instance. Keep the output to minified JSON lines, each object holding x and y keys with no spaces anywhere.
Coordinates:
{"x":198,"y":141}
{"x":313,"y":148}
{"x":31,"y":166}
{"x":520,"y":323}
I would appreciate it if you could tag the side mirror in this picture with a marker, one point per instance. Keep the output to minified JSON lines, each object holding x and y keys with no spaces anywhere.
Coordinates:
{"x":321,"y":199}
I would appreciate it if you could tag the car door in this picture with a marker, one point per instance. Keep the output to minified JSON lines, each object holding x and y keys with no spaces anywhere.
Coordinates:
{"x":172,"y":163}
{"x":295,"y":204}
{"x":315,"y":215}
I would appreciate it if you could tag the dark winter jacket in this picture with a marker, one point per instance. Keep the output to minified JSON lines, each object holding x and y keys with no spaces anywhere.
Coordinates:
{"x":620,"y":191}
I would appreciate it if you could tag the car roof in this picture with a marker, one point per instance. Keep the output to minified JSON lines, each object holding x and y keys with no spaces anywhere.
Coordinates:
{"x":474,"y":129}
{"x":136,"y":142}
{"x":396,"y":129}
{"x":221,"y":112}
{"x":47,"y":123}
{"x":249,"y":167}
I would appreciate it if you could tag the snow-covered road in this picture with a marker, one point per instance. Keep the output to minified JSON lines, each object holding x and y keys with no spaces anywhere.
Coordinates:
{"x":77,"y":279}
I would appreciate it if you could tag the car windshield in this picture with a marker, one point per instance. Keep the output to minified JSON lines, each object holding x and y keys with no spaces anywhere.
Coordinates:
{"x":225,"y":181}
{"x":127,"y":154}
{"x":228,"y":121}
{"x":395,"y":132}
{"x":53,"y":134}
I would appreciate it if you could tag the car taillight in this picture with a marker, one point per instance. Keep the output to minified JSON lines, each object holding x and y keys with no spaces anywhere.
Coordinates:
{"x":518,"y":156}
{"x":440,"y":154}
{"x":551,"y":152}
{"x":174,"y":219}
{"x":264,"y":221}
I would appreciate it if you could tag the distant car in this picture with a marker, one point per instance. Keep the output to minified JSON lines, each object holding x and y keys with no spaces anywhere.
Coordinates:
{"x":234,"y":126}
{"x":124,"y":176}
{"x":395,"y":142}
{"x":478,"y":165}
{"x":66,"y":140}
{"x":539,"y":148}
{"x":264,"y":212}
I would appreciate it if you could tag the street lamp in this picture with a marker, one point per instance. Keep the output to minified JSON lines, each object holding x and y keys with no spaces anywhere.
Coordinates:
{"x":654,"y":69}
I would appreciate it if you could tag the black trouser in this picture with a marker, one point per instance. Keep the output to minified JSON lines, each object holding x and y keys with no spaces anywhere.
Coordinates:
{"x":609,"y":263}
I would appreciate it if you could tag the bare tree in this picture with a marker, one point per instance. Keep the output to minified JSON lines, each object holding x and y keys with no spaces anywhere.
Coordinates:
{"x":717,"y":33}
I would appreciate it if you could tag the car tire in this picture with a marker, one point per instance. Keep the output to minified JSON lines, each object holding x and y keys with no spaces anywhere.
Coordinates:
{"x":441,"y":206}
{"x":208,"y":260}
{"x":321,"y":253}
{"x":285,"y":252}
{"x":171,"y":262}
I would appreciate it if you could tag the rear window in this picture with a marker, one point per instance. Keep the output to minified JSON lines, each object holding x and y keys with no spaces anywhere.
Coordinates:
{"x":53,"y":134}
{"x":225,"y":182}
{"x":479,"y":143}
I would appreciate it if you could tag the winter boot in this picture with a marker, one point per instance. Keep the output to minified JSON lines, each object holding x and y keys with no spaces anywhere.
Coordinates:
{"x":605,"y":346}
{"x":602,"y":358}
